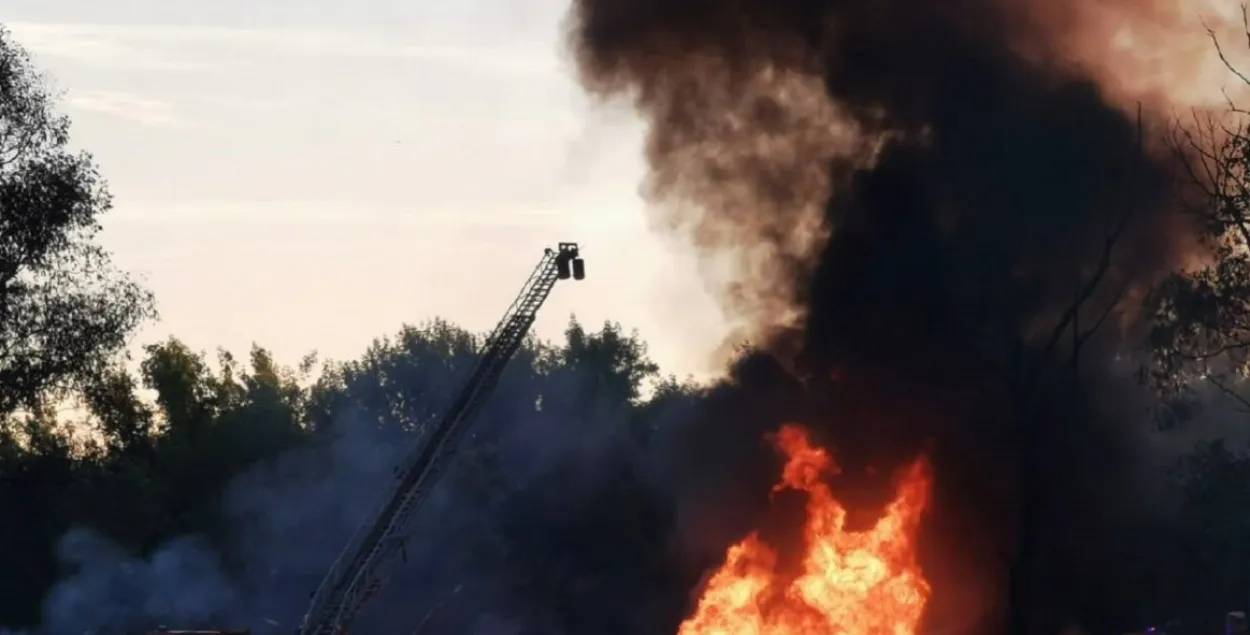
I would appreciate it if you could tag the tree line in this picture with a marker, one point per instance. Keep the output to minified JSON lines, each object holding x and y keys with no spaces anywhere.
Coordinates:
{"x":151,"y":454}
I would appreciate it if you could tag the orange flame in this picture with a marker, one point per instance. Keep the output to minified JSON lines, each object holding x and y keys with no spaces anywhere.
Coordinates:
{"x":852,"y":583}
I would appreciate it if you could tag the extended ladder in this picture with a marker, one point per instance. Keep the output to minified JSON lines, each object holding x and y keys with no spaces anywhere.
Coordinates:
{"x":355,"y":576}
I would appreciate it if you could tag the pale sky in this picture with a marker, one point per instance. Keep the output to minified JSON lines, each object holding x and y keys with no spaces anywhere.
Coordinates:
{"x":310,"y":174}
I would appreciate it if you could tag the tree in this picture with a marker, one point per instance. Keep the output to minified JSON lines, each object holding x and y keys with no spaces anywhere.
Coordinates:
{"x":1214,"y":519}
{"x":615,"y":364}
{"x":401,"y":382}
{"x":1201,"y":317}
{"x":64,"y":309}
{"x":1198,"y":343}
{"x":1038,"y":364}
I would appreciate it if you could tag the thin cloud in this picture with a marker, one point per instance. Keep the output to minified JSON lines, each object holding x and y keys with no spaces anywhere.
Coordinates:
{"x":333,"y":213}
{"x":174,"y":47}
{"x":96,"y":46}
{"x":135,"y":108}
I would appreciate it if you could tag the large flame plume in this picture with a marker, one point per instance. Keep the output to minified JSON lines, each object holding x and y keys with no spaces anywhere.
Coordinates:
{"x":851,"y":582}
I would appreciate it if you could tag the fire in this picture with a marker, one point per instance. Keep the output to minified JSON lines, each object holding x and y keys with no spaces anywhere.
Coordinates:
{"x":851,"y":583}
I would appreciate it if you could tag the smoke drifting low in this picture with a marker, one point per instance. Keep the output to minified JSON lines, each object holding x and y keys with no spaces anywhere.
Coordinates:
{"x":289,"y":518}
{"x":491,"y":550}
{"x":916,"y":193}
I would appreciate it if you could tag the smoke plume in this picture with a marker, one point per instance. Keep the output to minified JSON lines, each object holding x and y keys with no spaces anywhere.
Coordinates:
{"x":930,"y":208}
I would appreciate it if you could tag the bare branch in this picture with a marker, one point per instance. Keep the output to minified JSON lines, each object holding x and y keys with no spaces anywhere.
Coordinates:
{"x":1243,"y":402}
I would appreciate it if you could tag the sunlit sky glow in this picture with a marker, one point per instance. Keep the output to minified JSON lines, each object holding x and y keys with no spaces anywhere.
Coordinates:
{"x":310,"y":174}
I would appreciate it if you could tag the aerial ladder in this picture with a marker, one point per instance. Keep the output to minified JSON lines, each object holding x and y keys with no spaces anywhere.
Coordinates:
{"x":359,"y":573}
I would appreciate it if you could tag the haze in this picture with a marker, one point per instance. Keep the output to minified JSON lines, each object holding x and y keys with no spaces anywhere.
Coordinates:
{"x":311,"y":174}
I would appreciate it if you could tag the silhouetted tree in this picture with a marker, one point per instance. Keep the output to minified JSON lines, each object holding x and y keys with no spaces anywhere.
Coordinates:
{"x":1201,"y":327}
{"x":1199,"y":355}
{"x":64,"y":310}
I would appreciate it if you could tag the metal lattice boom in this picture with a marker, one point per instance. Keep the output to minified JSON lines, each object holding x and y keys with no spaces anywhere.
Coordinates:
{"x":357,"y":573}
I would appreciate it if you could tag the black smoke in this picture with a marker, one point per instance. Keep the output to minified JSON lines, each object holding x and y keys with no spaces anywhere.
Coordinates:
{"x":959,"y":215}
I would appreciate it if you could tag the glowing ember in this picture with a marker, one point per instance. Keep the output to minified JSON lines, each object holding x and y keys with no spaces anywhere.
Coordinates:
{"x":852,"y":583}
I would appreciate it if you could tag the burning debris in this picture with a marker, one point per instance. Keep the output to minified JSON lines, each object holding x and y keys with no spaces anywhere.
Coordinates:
{"x":852,"y":582}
